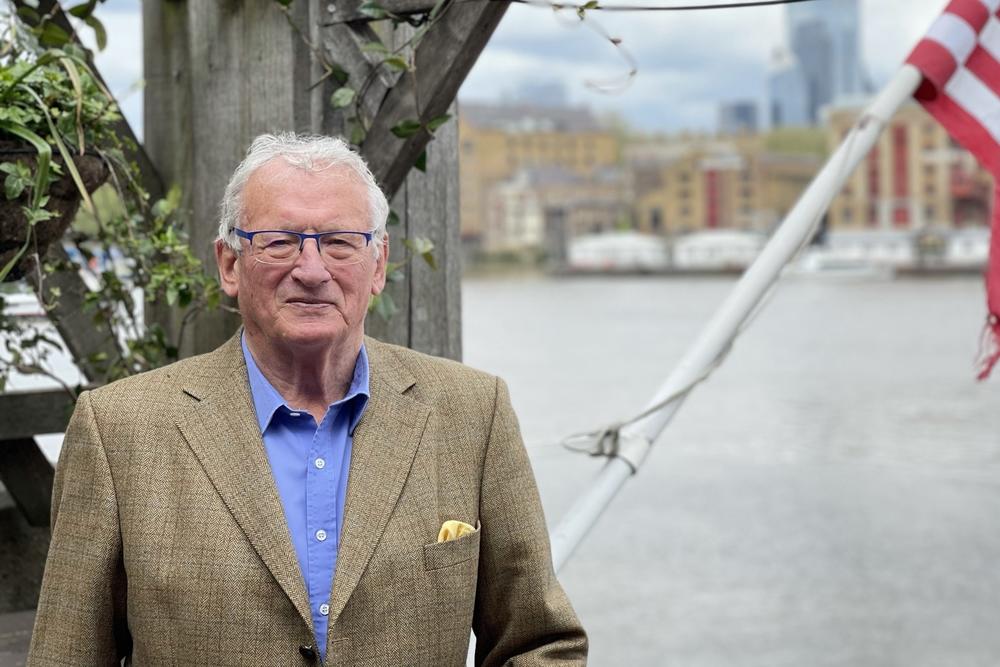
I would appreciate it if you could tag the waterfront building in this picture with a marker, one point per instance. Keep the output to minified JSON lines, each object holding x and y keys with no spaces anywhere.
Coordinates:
{"x":916,"y":177}
{"x":498,"y":141}
{"x":542,"y":208}
{"x":692,"y":184}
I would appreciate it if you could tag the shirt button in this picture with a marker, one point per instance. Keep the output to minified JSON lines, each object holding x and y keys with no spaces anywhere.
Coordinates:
{"x":295,"y":414}
{"x":320,"y":463}
{"x":324,"y":609}
{"x":321,"y":535}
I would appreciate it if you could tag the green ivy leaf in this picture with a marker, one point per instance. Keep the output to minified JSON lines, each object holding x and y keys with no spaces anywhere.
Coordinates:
{"x":284,"y":3}
{"x":100,"y":34}
{"x":51,"y":35}
{"x":421,"y":163}
{"x":83,"y":10}
{"x":372,"y":10}
{"x":375,"y":47}
{"x":406,"y":128}
{"x":394,"y":272}
{"x":582,"y":9}
{"x":435,"y":123}
{"x":393,"y":218}
{"x":424,"y":247}
{"x":342,"y":97}
{"x":357,"y":134}
{"x":397,"y":63}
{"x":28,"y":15}
{"x":383,"y":306}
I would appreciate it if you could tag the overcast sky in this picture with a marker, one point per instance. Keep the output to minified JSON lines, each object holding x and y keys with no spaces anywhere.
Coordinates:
{"x":688,"y":62}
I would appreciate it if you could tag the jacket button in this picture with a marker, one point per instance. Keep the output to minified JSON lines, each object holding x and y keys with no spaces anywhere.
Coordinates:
{"x":308,"y":652}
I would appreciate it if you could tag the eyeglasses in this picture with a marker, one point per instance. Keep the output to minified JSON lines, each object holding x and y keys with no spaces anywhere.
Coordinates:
{"x":279,"y":246}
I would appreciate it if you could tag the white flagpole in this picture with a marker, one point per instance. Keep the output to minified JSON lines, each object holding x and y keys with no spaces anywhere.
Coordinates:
{"x":636,"y":439}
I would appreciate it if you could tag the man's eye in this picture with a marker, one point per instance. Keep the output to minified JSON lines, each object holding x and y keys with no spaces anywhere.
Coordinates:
{"x":277,"y":243}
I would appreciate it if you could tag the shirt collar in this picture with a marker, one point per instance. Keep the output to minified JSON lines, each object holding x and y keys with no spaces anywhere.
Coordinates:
{"x":267,"y":400}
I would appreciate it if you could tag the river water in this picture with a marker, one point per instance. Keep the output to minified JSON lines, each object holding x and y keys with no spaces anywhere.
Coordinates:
{"x":831,"y":496}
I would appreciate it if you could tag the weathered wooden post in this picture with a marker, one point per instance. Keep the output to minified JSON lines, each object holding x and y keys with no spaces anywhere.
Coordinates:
{"x":219,"y":73}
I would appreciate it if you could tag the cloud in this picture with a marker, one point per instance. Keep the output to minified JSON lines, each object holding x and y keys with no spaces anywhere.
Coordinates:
{"x":688,"y":61}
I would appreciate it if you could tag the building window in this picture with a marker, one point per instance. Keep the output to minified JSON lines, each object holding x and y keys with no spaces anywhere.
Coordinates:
{"x":655,"y":219}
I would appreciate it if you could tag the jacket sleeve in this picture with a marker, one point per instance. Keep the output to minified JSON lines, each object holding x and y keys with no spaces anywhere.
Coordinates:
{"x":522,"y":616}
{"x":81,"y":618}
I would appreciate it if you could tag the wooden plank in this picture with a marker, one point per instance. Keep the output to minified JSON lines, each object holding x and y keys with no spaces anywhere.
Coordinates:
{"x":85,"y":340}
{"x":429,"y":299}
{"x":218,"y":74}
{"x":28,"y":475}
{"x":443,"y":59}
{"x":343,"y":44}
{"x":350,"y":10}
{"x":28,"y":413}
{"x":432,"y":211}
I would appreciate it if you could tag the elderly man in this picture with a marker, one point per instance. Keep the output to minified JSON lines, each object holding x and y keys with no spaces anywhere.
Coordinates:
{"x":302,"y":494}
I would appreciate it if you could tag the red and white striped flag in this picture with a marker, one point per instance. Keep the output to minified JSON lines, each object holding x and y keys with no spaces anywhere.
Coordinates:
{"x":960,"y":60}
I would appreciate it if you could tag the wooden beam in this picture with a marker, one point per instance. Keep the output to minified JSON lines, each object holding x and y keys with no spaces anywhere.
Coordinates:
{"x":443,"y":59}
{"x":29,"y":413}
{"x":344,"y":11}
{"x":217,"y":75}
{"x":27,"y":475}
{"x":85,"y":340}
{"x":429,"y":299}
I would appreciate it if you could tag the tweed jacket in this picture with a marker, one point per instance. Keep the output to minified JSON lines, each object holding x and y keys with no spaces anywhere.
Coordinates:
{"x":170,"y":547}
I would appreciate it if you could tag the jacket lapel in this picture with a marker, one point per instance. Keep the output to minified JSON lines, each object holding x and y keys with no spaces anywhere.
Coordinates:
{"x":385,"y":443}
{"x":223,"y":433}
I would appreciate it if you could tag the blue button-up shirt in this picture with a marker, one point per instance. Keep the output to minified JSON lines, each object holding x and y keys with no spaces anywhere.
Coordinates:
{"x":310,"y":465}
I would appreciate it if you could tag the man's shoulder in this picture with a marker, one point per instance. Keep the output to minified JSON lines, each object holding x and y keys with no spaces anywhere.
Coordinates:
{"x":191,"y":372}
{"x":427,"y":370}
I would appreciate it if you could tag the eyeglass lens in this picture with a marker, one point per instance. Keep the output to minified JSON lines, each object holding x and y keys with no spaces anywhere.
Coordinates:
{"x":340,"y":248}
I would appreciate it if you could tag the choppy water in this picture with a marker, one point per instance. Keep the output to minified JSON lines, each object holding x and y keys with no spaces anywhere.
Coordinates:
{"x":830,"y":497}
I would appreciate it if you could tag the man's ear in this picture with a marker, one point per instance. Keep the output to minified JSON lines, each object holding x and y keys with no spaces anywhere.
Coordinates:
{"x":227,"y":259}
{"x":378,"y":280}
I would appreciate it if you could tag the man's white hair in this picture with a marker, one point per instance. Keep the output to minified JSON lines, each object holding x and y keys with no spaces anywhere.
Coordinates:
{"x":308,"y":152}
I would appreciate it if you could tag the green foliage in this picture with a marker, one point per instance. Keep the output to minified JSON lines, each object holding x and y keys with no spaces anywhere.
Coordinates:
{"x":406,"y":128}
{"x":342,"y":97}
{"x":51,"y":100}
{"x":18,"y":178}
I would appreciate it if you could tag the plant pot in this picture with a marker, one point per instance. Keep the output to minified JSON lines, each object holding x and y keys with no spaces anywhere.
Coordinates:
{"x":64,"y":200}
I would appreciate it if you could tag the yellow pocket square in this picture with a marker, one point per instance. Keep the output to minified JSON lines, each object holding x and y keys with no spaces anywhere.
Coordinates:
{"x":452,"y":530}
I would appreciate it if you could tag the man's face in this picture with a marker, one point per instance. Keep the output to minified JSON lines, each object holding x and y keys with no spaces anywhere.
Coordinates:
{"x":305,"y":303}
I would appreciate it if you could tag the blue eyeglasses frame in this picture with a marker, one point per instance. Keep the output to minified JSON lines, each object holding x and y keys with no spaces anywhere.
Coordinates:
{"x":242,"y":233}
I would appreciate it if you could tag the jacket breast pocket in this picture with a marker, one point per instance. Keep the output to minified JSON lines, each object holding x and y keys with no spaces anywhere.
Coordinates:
{"x":452,"y":552}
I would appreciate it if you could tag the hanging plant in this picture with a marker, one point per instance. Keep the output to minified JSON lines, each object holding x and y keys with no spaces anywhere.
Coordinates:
{"x":58,"y":144}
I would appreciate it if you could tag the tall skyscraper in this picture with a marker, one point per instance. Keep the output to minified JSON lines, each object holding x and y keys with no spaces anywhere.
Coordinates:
{"x":824,"y":38}
{"x":787,"y":91}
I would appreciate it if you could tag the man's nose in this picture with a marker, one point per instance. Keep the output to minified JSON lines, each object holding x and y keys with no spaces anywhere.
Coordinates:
{"x":309,"y":266}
